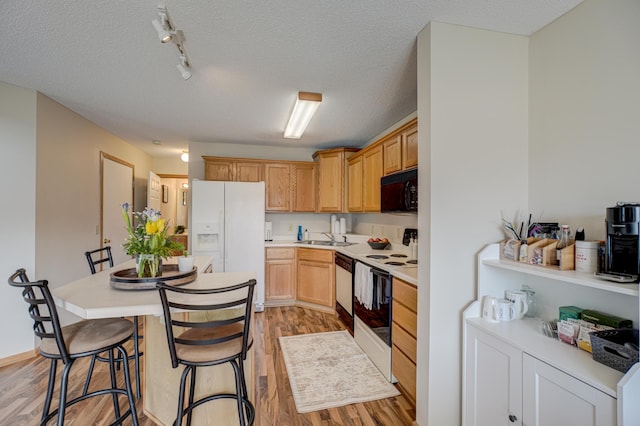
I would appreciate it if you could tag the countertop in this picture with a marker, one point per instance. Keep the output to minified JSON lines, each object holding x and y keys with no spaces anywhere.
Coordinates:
{"x":359,"y":251}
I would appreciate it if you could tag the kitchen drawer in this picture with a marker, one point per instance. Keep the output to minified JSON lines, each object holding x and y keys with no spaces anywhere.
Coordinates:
{"x":404,"y":341}
{"x":405,"y":371}
{"x":281,"y":253}
{"x":406,"y":294}
{"x":315,"y":255}
{"x":405,"y":318}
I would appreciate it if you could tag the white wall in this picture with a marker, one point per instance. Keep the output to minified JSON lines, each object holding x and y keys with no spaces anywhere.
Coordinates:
{"x":473,"y":135}
{"x":585,"y":138}
{"x":18,"y":172}
{"x":68,"y":189}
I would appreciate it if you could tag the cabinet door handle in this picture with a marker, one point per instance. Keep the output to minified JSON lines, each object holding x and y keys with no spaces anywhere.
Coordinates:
{"x":512,"y":418}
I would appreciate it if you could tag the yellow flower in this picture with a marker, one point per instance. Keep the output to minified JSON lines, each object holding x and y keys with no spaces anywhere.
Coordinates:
{"x":161,"y":224}
{"x":151,"y":227}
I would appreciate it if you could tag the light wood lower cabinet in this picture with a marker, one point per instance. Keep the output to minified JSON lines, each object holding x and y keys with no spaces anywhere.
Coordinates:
{"x":280,"y":285}
{"x":316,"y":277}
{"x":404,"y":334}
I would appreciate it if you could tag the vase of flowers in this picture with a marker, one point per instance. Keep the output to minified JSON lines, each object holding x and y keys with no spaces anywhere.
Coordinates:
{"x":148,"y":241}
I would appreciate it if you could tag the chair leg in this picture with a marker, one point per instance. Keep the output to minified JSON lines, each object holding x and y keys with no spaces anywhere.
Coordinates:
{"x":50,"y":386}
{"x":191,"y":393}
{"x":114,"y":384}
{"x":136,"y":351}
{"x":239,"y":399}
{"x":89,"y":375}
{"x":127,"y":382}
{"x":183,"y":382}
{"x":63,"y":393}
{"x":245,"y":393}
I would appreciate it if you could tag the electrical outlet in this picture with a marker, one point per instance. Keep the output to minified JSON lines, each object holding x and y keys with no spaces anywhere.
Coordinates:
{"x":290,"y":227}
{"x":373,"y":230}
{"x":399,"y":234}
{"x":97,"y":229}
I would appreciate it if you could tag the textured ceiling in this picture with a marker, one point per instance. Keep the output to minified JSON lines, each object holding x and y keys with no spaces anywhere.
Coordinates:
{"x":103,"y":60}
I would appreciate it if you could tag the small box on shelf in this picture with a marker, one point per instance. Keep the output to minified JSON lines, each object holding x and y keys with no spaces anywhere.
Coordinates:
{"x":510,"y":250}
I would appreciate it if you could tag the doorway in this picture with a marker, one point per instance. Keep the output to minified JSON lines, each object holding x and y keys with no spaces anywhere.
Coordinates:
{"x":116,"y":181}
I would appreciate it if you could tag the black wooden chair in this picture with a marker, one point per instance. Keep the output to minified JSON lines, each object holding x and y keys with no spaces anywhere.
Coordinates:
{"x":71,"y":342}
{"x":95,"y":258}
{"x":205,"y":342}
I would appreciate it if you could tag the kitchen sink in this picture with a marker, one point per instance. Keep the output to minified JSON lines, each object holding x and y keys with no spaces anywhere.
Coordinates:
{"x":325,"y":243}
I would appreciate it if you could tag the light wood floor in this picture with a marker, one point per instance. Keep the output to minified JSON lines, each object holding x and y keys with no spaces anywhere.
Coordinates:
{"x":23,"y":384}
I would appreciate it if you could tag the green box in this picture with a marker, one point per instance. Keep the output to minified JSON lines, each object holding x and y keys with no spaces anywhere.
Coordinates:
{"x":567,"y":312}
{"x":606,"y":319}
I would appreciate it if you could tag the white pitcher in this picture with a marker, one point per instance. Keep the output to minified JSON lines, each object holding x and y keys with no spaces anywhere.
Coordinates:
{"x":519,"y":300}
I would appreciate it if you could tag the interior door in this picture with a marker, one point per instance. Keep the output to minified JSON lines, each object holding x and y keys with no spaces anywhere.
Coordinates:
{"x":117,"y":188}
{"x":154,"y":192}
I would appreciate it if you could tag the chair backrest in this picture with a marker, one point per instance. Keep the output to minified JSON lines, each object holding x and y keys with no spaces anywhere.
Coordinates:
{"x":42,"y":309}
{"x":236,"y":300}
{"x":98,"y":256}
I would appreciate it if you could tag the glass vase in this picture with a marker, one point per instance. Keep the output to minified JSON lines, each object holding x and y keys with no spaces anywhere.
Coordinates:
{"x":148,"y":265}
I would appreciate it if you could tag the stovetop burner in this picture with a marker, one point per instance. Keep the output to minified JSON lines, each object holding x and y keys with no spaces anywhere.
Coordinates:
{"x":394,"y":263}
{"x":413,"y":261}
{"x":398,"y":255}
{"x":377,"y":256}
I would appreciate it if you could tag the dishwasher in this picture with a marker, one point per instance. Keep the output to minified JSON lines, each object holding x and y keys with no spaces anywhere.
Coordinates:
{"x":344,"y":289}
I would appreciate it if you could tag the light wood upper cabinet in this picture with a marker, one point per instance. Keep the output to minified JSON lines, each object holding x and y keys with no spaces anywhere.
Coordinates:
{"x":222,"y":170}
{"x":410,"y":147}
{"x":354,"y":184}
{"x":371,"y":174}
{"x":331,"y":178}
{"x":304,"y":184}
{"x":400,"y":148}
{"x":248,"y":171}
{"x":290,"y":186}
{"x":392,"y":154}
{"x":277,"y":178}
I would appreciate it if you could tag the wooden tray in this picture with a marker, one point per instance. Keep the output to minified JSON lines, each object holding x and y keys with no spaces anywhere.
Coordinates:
{"x":127,"y":279}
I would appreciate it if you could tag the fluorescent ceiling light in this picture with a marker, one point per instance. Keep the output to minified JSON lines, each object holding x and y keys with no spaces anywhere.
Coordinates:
{"x":306,"y":105}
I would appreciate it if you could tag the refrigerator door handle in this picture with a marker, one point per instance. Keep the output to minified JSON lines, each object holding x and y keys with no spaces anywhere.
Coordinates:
{"x":226,"y":241}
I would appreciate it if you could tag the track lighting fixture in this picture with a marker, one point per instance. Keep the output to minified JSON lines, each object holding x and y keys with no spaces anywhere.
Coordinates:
{"x":183,"y":67}
{"x":164,"y":27}
{"x":167,"y":32}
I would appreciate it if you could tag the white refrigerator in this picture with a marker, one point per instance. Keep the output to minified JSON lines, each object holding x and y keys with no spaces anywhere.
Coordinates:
{"x":227,"y":222}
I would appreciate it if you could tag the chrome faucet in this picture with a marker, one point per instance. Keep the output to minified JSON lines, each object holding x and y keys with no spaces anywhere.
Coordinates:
{"x":331,"y":237}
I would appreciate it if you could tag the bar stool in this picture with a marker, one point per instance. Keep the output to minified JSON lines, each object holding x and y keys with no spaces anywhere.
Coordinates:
{"x":71,"y":342}
{"x":103,"y":255}
{"x":203,"y":342}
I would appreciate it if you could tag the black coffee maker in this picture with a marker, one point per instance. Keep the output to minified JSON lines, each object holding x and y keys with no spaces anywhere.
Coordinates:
{"x":622,"y":255}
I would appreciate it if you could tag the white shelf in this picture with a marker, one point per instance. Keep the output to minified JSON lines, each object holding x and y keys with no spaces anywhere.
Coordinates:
{"x":574,"y":277}
{"x":524,"y":334}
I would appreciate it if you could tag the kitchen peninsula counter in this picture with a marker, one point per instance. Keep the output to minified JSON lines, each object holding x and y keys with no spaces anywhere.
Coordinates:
{"x":93,"y":297}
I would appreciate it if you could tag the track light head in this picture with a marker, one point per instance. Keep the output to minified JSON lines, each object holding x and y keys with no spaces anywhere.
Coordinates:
{"x":163,"y":33}
{"x":184,"y":71}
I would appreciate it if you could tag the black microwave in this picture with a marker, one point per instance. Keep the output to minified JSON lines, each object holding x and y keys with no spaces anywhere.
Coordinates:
{"x":399,"y":192}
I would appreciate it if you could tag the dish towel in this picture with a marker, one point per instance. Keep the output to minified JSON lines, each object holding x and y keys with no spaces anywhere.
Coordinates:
{"x":363,"y":285}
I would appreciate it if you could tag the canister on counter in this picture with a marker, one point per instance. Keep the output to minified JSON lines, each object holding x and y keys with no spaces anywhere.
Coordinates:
{"x":587,"y":256}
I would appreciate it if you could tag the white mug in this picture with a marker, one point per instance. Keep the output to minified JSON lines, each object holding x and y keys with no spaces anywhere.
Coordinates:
{"x":506,"y":310}
{"x":490,"y":309}
{"x":519,"y":300}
